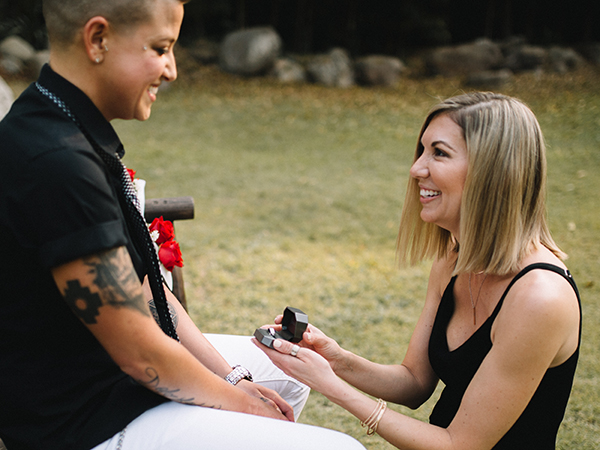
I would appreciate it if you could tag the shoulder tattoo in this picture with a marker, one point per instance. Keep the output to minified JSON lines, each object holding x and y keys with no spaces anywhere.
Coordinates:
{"x":117,"y":286}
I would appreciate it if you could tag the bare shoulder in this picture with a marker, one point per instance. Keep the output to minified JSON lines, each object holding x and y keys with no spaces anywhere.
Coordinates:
{"x":541,"y":308}
{"x":544,"y":292}
{"x":545,"y":289}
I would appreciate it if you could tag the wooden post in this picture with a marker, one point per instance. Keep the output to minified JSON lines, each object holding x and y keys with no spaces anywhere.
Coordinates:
{"x":173,"y":208}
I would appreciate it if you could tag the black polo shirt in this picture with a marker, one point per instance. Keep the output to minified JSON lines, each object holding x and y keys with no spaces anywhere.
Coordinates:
{"x":59,"y":389}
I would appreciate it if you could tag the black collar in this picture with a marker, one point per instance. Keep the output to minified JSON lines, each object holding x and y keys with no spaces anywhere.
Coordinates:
{"x":84,"y":109}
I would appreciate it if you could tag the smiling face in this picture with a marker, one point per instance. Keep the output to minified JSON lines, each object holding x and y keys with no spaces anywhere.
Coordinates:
{"x":441,"y":172}
{"x":136,"y":63}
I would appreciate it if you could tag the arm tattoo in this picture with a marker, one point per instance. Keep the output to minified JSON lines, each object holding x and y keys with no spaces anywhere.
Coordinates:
{"x":172,"y":312}
{"x":153,"y":383}
{"x":117,"y":283}
{"x":82,"y":301}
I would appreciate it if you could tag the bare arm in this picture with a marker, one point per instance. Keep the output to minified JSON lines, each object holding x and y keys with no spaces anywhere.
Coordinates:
{"x":104,"y":292}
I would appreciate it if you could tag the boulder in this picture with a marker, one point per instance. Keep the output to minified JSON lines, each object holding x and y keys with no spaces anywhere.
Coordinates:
{"x":332,"y":69}
{"x":287,"y":70}
{"x":18,"y":57}
{"x":250,"y":52}
{"x":11,"y":65}
{"x":564,"y":59}
{"x":477,"y":56}
{"x":378,"y":70}
{"x":526,"y":58}
{"x":7,"y":97}
{"x":17,"y":47}
{"x":489,"y":78}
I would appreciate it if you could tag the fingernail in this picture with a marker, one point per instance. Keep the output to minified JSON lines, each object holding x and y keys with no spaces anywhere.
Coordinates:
{"x":276,"y":343}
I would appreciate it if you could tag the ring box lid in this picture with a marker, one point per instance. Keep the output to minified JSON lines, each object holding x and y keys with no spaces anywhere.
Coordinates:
{"x":293,"y":324}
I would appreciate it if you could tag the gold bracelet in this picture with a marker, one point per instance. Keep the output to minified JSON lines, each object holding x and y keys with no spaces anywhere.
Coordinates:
{"x":372,"y":422}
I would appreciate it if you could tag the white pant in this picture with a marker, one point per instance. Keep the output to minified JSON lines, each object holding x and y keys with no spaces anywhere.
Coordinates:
{"x":175,"y":426}
{"x":240,"y":350}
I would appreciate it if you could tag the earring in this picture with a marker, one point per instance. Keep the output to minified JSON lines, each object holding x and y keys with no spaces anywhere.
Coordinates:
{"x":97,"y":60}
{"x":106,"y":48}
{"x":145,"y":48}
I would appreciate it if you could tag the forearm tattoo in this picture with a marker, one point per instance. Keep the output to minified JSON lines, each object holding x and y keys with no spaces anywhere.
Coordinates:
{"x":172,"y":312}
{"x":153,"y":382}
{"x":117,"y":283}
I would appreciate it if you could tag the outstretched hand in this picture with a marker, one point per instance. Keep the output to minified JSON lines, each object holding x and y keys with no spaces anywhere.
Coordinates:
{"x":308,"y":366}
{"x":314,"y":339}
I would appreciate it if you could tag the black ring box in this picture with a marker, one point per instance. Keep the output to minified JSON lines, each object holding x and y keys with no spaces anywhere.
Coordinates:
{"x":293,"y":326}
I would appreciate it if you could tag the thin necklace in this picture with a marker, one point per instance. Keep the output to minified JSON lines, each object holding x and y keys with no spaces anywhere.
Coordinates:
{"x":474,"y":303}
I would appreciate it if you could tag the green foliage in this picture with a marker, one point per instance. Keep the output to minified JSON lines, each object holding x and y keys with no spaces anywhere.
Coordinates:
{"x":298,"y":192}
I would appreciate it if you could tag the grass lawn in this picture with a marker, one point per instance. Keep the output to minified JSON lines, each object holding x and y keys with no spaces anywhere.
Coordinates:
{"x":298,"y":192}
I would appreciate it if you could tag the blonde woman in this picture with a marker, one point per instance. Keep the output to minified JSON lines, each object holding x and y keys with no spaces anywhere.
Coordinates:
{"x":501,"y":322}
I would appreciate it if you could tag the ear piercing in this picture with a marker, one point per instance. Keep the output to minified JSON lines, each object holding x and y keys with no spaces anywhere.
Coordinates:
{"x":145,"y":48}
{"x":98,"y":59}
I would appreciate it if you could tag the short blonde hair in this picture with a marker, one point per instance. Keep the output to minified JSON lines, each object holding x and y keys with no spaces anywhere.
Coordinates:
{"x":503,"y":210}
{"x":64,"y":18}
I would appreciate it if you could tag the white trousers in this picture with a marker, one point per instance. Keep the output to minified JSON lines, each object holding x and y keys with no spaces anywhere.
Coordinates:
{"x":240,"y":350}
{"x":175,"y":426}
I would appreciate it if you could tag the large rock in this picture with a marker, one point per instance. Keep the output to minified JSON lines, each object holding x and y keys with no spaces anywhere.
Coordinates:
{"x":287,"y":70}
{"x":6,"y":98}
{"x":378,"y":70}
{"x":250,"y":52}
{"x":18,"y":57}
{"x":11,"y":66}
{"x":18,"y":48}
{"x":332,"y":69}
{"x":477,"y":56}
{"x":564,"y":59}
{"x":526,"y":58}
{"x":489,"y":78}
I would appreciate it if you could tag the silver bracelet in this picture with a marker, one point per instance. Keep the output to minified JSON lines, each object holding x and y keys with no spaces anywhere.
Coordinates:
{"x":238,"y":374}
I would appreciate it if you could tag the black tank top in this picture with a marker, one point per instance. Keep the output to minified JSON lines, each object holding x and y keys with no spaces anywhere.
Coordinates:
{"x":537,"y":427}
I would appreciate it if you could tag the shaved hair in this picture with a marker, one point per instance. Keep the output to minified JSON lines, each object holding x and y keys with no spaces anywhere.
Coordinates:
{"x":64,"y":18}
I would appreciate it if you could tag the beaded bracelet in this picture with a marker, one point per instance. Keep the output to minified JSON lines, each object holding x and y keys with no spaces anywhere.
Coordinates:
{"x":372,"y":422}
